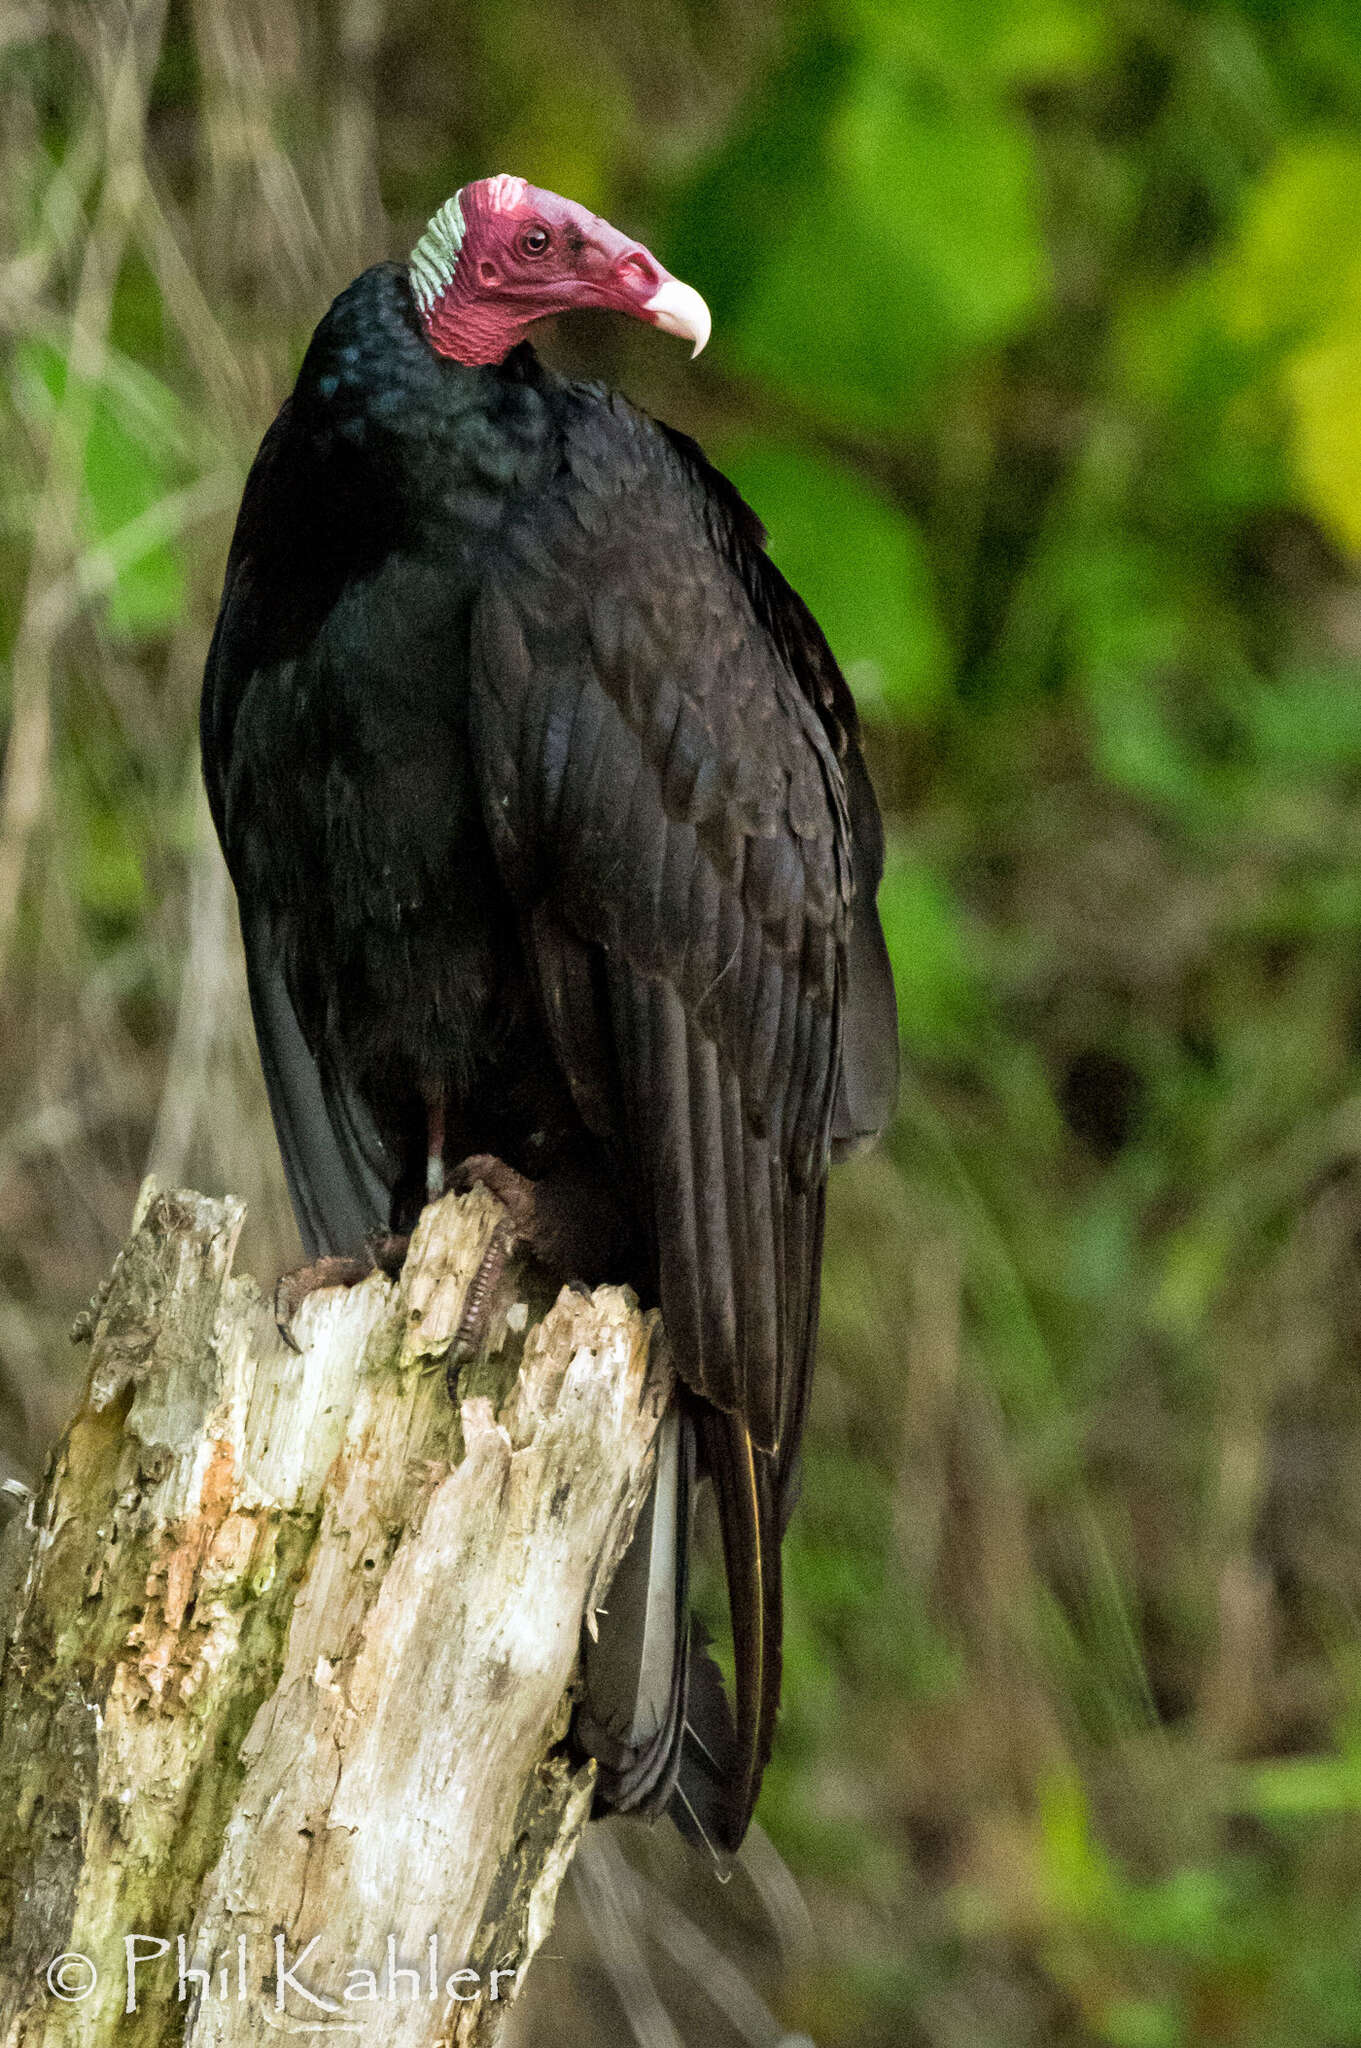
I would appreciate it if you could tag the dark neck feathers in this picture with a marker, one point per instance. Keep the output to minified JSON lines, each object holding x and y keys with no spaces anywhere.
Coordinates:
{"x":371,"y":381}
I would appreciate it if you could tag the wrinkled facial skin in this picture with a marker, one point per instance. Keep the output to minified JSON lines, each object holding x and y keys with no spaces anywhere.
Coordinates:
{"x":527,"y":254}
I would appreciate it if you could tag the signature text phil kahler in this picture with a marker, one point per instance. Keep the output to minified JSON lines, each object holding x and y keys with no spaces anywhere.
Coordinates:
{"x":307,"y":1980}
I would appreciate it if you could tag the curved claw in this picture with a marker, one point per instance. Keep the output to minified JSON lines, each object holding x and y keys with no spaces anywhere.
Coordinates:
{"x":472,"y":1324}
{"x":512,"y":1190}
{"x":292,"y":1289}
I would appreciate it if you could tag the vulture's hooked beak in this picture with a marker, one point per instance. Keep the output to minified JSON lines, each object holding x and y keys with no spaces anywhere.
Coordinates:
{"x":678,"y":309}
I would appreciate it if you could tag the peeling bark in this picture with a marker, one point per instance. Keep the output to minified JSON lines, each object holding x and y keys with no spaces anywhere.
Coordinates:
{"x":289,"y":1643}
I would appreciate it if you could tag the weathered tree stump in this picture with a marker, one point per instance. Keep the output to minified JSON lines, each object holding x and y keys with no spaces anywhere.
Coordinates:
{"x":289,"y":1643}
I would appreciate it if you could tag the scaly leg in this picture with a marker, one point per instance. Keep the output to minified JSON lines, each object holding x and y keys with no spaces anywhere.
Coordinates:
{"x":516,"y":1194}
{"x":434,"y":1147}
{"x":572,"y":1221}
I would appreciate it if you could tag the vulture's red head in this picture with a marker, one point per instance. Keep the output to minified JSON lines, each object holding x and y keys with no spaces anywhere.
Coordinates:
{"x":501,"y":254}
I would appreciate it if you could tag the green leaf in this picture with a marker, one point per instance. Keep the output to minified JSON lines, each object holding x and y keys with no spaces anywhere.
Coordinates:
{"x":920,"y":247}
{"x":122,"y":479}
{"x":977,"y":45}
{"x":858,"y":563}
{"x":939,"y":998}
{"x":1308,"y":723}
{"x":1302,"y":1788}
{"x":1295,"y":263}
{"x":133,"y":455}
{"x":1293,"y":285}
{"x":743,"y":200}
{"x":1324,"y":383}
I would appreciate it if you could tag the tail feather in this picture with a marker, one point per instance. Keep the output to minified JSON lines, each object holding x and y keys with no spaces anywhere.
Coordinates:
{"x":747,"y":1488}
{"x":632,"y":1719}
{"x":655,"y":1716}
{"x":701,"y":1798}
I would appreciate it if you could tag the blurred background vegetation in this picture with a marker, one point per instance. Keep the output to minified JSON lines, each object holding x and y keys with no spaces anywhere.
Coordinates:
{"x":1038,"y":348}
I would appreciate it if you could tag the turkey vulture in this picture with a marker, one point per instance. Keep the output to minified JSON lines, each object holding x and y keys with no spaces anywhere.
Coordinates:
{"x":556,"y":862}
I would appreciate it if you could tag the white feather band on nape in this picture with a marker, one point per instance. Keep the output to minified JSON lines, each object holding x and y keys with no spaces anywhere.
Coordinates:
{"x":435,"y":256}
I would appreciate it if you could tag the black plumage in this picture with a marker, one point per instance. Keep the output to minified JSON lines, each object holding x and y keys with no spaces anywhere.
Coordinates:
{"x":544,"y":802}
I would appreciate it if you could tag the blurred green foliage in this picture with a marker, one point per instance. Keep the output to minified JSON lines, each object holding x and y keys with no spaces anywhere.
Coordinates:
{"x":1038,"y":349}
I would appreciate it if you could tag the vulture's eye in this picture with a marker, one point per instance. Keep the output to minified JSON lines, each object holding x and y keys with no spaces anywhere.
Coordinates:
{"x":534,"y":241}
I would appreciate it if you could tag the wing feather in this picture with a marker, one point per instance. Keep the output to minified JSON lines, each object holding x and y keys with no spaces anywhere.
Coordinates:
{"x":338,"y":1172}
{"x":678,"y":814}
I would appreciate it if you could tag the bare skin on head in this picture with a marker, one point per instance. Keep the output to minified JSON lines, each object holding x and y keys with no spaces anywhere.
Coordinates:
{"x":501,"y":255}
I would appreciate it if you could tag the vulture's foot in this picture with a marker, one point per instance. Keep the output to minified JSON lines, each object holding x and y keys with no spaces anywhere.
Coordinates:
{"x":511,"y":1189}
{"x":384,"y":1252}
{"x":516,"y":1196}
{"x":293,"y":1288}
{"x":571,"y":1225}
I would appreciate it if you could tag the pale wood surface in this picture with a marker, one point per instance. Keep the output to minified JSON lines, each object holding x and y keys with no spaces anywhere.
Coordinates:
{"x":288,"y":1641}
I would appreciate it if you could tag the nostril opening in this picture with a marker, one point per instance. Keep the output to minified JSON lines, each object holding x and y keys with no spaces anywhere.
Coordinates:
{"x":641,"y":266}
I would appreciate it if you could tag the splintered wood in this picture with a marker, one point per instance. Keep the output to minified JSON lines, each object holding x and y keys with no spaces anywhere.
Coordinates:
{"x":289,"y":1640}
